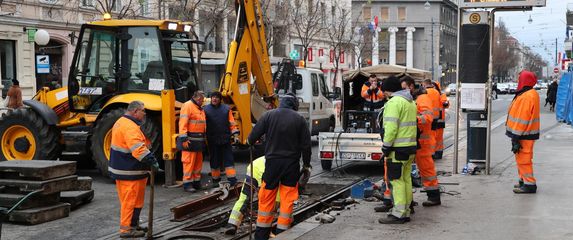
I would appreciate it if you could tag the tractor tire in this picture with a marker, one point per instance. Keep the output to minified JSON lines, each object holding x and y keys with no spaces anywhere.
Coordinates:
{"x":101,"y":138}
{"x":25,"y":135}
{"x":326,"y":165}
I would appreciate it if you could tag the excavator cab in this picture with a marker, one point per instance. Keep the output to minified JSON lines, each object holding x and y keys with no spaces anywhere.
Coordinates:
{"x":116,"y":57}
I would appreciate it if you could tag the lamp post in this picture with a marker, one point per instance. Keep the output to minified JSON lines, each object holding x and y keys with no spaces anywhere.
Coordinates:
{"x":427,"y":7}
{"x":321,"y":60}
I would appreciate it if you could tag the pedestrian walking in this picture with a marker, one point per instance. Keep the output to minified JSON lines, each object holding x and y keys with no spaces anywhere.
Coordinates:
{"x":399,"y":148}
{"x":191,"y":141}
{"x":14,"y":95}
{"x":551,"y":95}
{"x":221,"y":127}
{"x":372,"y":94}
{"x":287,"y":138}
{"x":426,"y":142}
{"x":129,"y":164}
{"x":522,"y":126}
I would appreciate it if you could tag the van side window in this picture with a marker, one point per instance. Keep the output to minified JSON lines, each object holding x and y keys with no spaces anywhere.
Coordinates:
{"x":323,"y":86}
{"x":314,"y":80}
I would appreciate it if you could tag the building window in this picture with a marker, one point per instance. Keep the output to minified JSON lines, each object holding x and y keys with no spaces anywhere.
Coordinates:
{"x":384,"y":16}
{"x":367,"y":13}
{"x":115,"y":5}
{"x":7,"y":64}
{"x":402,"y":14}
{"x":87,"y":3}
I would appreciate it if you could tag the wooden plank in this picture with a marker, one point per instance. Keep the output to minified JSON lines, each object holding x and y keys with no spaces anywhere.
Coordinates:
{"x":76,"y":198}
{"x":41,"y":214}
{"x":36,"y":169}
{"x":8,"y":200}
{"x":49,"y":186}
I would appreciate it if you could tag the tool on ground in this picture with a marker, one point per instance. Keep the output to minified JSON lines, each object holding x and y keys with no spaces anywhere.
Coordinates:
{"x":151,"y":197}
{"x":224,"y":187}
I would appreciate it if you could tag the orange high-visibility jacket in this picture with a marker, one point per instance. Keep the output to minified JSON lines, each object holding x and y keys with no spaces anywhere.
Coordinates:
{"x":425,"y":118}
{"x":192,"y":119}
{"x":128,"y":148}
{"x":434,"y":95}
{"x":523,"y":118}
{"x":372,"y":96}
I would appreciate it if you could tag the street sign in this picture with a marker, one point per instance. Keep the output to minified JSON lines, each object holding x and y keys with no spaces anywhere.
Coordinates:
{"x":43,"y":64}
{"x":502,"y":3}
{"x":294,"y":54}
{"x":480,"y":17}
{"x":556,"y":70}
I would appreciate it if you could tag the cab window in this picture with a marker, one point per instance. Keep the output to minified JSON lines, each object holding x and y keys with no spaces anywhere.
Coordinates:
{"x":314,"y":80}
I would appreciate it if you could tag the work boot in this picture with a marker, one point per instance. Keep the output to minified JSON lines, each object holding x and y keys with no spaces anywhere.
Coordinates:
{"x":196,"y":185}
{"x":187,"y":187}
{"x":132,"y":234}
{"x":383,"y":208}
{"x":526,"y":189}
{"x":519,"y":184}
{"x":412,"y":211}
{"x":216,"y":183}
{"x":433,"y":198}
{"x":391,"y":219}
{"x":140,"y":228}
{"x":230,"y":229}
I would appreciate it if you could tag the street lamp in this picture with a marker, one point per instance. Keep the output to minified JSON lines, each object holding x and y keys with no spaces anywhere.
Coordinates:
{"x":321,"y":60}
{"x":427,"y":6}
{"x":530,"y":20}
{"x":42,"y":37}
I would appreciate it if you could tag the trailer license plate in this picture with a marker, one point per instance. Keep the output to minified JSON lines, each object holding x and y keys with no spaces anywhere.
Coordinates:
{"x":352,"y":155}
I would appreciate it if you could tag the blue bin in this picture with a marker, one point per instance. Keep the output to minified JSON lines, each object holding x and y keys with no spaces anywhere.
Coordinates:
{"x":357,"y":191}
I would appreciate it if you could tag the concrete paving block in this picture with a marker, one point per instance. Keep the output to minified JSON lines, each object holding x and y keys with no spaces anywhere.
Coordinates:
{"x":8,"y":200}
{"x":40,"y":215}
{"x":76,"y":198}
{"x":83,"y":183}
{"x":49,"y":186}
{"x":36,"y":169}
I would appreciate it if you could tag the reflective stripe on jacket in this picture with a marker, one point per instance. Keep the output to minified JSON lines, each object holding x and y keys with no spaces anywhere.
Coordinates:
{"x":523,"y":118}
{"x":399,"y":121}
{"x":373,"y":96}
{"x":128,"y":148}
{"x":192,"y":119}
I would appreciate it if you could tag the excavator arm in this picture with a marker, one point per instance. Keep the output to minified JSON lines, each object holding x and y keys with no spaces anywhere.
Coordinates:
{"x":248,"y":58}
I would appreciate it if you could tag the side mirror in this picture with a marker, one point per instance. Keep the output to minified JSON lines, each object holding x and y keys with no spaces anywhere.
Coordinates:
{"x":297,"y":82}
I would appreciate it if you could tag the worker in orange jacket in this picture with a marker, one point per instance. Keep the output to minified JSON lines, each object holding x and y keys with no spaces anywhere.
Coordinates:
{"x":191,"y":141}
{"x":129,"y":163}
{"x":438,"y":123}
{"x":372,"y":94}
{"x":522,"y":126}
{"x":426,"y":142}
{"x":444,"y":104}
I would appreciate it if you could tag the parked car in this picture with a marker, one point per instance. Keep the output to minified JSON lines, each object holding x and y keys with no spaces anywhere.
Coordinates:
{"x":502,"y":88}
{"x":512,"y":87}
{"x":450,"y":89}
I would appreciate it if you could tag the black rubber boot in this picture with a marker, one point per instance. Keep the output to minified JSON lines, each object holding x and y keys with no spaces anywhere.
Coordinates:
{"x":216,"y":183}
{"x":196,"y":185}
{"x":433,"y":198}
{"x":391,"y":219}
{"x":519,"y":184}
{"x":526,"y":189}
{"x":132,"y":234}
{"x":384,"y":208}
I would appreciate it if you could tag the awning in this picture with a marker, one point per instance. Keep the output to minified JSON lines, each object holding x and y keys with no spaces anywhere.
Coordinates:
{"x":386,"y":70}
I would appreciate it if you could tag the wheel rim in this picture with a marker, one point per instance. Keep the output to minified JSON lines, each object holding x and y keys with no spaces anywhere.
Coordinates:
{"x":107,"y":145}
{"x":18,"y":134}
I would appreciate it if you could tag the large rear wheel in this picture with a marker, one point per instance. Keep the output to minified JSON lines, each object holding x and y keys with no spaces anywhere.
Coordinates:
{"x":25,"y":135}
{"x":101,"y":138}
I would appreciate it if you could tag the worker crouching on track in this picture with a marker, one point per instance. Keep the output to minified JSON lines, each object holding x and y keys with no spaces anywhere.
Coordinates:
{"x":220,"y":128}
{"x":191,"y":141}
{"x":426,"y":142}
{"x":287,"y":138}
{"x":522,"y":126}
{"x":129,"y":164}
{"x":399,"y":147}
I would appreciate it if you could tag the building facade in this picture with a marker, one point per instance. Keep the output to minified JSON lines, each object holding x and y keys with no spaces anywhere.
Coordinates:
{"x":413,"y":33}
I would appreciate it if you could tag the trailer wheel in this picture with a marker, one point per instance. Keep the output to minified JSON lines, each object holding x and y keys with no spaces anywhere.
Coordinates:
{"x":101,"y":138}
{"x":326,"y":165}
{"x":25,"y":135}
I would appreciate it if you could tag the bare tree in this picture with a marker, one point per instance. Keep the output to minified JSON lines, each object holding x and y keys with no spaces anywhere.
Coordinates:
{"x":306,"y":19}
{"x":340,"y":33}
{"x":504,"y":51}
{"x":275,"y":20}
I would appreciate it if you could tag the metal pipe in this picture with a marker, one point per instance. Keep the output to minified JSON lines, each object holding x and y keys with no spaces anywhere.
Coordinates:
{"x":488,"y":92}
{"x":457,"y":126}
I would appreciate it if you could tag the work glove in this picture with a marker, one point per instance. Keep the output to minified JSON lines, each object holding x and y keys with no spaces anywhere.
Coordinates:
{"x":515,"y":146}
{"x":151,"y":161}
{"x":304,"y":177}
{"x":386,"y":151}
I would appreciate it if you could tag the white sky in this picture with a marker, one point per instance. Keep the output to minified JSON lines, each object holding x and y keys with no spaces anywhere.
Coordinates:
{"x":548,"y":24}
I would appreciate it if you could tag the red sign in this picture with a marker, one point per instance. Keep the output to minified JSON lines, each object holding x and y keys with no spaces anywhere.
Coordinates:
{"x":320,"y":52}
{"x":310,"y":54}
{"x":331,"y":55}
{"x":556,"y":70}
{"x":342,"y":56}
{"x":376,"y":21}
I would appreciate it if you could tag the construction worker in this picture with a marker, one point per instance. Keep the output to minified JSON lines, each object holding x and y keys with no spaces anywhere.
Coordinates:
{"x":220,"y":128}
{"x":399,"y":147}
{"x":426,"y":142}
{"x":192,"y":126}
{"x":522,"y":126}
{"x":287,"y":138}
{"x":444,"y":104}
{"x":438,"y":123}
{"x":372,"y":94}
{"x":129,"y":164}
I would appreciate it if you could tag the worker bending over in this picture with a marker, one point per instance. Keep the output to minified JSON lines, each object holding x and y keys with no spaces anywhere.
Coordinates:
{"x":287,"y":138}
{"x":191,"y":141}
{"x":129,"y":163}
{"x":522,"y":126}
{"x":372,"y":94}
{"x":399,"y":147}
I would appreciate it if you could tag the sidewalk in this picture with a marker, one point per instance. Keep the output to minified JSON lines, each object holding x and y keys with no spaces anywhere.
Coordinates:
{"x":480,"y":207}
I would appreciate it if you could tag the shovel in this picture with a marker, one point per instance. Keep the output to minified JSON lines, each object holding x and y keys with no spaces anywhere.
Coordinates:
{"x":151,"y":197}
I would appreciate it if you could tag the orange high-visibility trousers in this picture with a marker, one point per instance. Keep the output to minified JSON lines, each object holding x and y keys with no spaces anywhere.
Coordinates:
{"x":524,"y":160}
{"x":131,"y":195}
{"x":427,"y":168}
{"x":267,"y":201}
{"x":439,"y":140}
{"x":192,"y":165}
